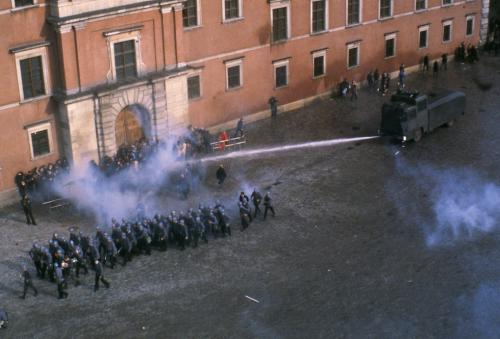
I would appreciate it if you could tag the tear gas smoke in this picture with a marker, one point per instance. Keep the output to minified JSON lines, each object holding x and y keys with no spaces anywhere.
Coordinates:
{"x":464,"y":204}
{"x":119,"y":195}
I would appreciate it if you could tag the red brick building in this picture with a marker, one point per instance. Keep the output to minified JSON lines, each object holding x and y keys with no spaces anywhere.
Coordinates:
{"x":81,"y":77}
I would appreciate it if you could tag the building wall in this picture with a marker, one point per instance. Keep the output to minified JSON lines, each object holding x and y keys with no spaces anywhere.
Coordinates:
{"x":79,"y":62}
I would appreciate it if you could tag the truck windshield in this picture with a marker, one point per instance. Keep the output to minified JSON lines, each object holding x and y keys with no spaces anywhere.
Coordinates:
{"x":396,"y":113}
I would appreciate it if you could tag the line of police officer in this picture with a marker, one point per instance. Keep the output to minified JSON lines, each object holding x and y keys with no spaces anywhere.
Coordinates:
{"x":63,"y":259}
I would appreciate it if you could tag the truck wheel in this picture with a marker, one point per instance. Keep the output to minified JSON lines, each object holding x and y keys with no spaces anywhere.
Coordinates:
{"x":417,"y":136}
{"x":450,"y":123}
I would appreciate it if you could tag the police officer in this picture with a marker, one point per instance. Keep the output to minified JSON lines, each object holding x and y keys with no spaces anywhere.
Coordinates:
{"x":256,"y":199}
{"x":268,"y":204}
{"x":26,"y":205}
{"x":273,"y":105}
{"x":28,"y":283}
{"x":36,"y":256}
{"x":99,"y":276}
{"x":60,"y":281}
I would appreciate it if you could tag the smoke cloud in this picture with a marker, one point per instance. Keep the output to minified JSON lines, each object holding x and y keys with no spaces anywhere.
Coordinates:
{"x":464,"y":204}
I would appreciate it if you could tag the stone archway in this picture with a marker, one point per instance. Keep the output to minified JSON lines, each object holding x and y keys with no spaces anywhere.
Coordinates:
{"x":132,"y":124}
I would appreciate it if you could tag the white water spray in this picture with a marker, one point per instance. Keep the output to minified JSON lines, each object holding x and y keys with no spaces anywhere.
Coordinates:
{"x":259,"y":151}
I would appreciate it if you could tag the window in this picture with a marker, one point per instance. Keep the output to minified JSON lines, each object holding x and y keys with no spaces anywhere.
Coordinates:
{"x":469,"y":25}
{"x":22,"y":3}
{"x":32,"y":77}
{"x":234,"y":76}
{"x":353,"y":12}
{"x":422,"y":36}
{"x":40,"y":140}
{"x":390,"y":45}
{"x":125,"y":61}
{"x":280,"y":74}
{"x":318,"y":16}
{"x":385,"y":9}
{"x":232,"y":9}
{"x":352,"y":55}
{"x":447,"y":2}
{"x":420,"y":5}
{"x":319,"y":63}
{"x":447,"y":25}
{"x":32,"y":71}
{"x":280,"y":23}
{"x":190,"y":13}
{"x":193,"y":84}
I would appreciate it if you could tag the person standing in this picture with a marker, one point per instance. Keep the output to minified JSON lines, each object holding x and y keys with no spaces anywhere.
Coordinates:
{"x":444,"y":61}
{"x":60,"y":281}
{"x":221,"y":174}
{"x":99,"y":276}
{"x":256,"y":199}
{"x":4,"y":319}
{"x":402,"y":75}
{"x":273,"y":105}
{"x":435,"y":68}
{"x":268,"y":204}
{"x":26,"y":205}
{"x":369,"y":79}
{"x":28,"y":283}
{"x":239,"y":129}
{"x":425,"y":66}
{"x":354,"y":90}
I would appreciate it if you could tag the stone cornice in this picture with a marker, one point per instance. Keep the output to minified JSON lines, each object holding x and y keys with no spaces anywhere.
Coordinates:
{"x":106,"y":88}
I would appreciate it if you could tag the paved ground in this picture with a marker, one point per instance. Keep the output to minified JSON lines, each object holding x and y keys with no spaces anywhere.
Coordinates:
{"x":347,"y":255}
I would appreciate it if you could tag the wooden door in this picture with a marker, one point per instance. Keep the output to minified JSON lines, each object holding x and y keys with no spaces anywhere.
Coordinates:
{"x":128,"y":129}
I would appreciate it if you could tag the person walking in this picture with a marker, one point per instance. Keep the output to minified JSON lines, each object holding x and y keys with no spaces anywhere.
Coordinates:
{"x":402,"y":75}
{"x":425,"y":66}
{"x":28,"y":283}
{"x":435,"y":68}
{"x":99,"y":276}
{"x":444,"y":61}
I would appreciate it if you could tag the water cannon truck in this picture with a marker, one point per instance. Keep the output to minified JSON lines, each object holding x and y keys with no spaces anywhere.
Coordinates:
{"x":410,"y":115}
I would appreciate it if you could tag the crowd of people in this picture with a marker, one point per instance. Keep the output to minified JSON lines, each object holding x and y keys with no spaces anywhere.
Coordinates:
{"x":63,"y":259}
{"x":37,"y":182}
{"x":466,"y":54}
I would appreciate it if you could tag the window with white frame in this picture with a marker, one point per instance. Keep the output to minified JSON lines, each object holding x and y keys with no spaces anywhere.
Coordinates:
{"x":280,"y":73}
{"x":353,"y":55}
{"x":32,"y":73}
{"x":125,"y":60}
{"x":423,"y":36}
{"x":194,"y":87}
{"x":191,"y":13}
{"x":469,"y":25}
{"x":447,"y":2}
{"x":280,"y":19}
{"x":353,"y":12}
{"x":23,"y":3}
{"x":319,"y":15}
{"x":234,"y":74}
{"x":40,"y":140}
{"x":447,"y":30}
{"x":385,"y":9}
{"x":390,"y":45}
{"x":232,"y":9}
{"x":420,"y":5}
{"x":319,"y":63}
{"x":125,"y":55}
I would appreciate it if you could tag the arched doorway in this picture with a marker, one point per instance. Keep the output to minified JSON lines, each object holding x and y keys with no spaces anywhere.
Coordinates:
{"x":131,"y":125}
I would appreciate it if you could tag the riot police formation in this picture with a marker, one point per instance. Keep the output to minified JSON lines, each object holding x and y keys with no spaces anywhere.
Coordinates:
{"x":63,"y":259}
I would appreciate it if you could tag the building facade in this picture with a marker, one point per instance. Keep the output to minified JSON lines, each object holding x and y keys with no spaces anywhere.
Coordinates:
{"x":82,"y":77}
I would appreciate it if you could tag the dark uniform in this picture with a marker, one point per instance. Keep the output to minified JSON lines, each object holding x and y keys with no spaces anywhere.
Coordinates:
{"x":36,"y":256}
{"x":99,"y":276}
{"x":60,"y":282}
{"x":256,"y":199}
{"x":221,"y":174}
{"x":273,"y":105}
{"x":28,"y":283}
{"x":268,"y":204}
{"x":26,"y":205}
